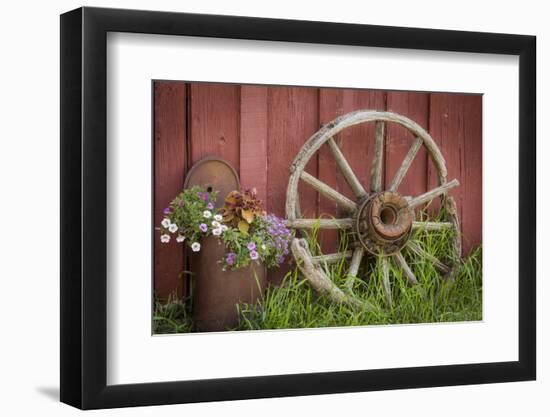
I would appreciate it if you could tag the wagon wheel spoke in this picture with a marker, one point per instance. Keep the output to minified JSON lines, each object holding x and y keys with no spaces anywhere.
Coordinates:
{"x":405,"y":268}
{"x":346,"y":170}
{"x":450,"y":208}
{"x":432,"y":226}
{"x":407,"y":162}
{"x":440,"y":266}
{"x":339,"y":224}
{"x":354,"y":266}
{"x":430,"y":195}
{"x":329,"y":192}
{"x":376,"y":169}
{"x":317,"y":278}
{"x":385,"y":268}
{"x":331,"y":258}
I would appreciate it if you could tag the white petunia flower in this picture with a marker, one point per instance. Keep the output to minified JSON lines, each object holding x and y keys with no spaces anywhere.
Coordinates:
{"x":264,"y":247}
{"x":165,"y":238}
{"x":173,"y":228}
{"x":206,"y":214}
{"x":166,"y":222}
{"x":224,"y":228}
{"x":180,"y":238}
{"x":196,"y":246}
{"x":218,"y":217}
{"x":217,"y":231}
{"x":216,"y":224}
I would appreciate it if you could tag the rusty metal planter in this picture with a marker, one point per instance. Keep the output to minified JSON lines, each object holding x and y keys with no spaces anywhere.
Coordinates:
{"x":216,"y":292}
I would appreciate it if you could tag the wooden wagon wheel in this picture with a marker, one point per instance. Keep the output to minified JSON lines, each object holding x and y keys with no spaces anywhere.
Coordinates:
{"x":381,"y":221}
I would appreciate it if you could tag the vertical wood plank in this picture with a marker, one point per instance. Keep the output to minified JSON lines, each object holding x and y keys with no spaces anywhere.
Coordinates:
{"x":293,"y":116}
{"x":214,"y":118}
{"x":169,"y":169}
{"x":415,"y":106}
{"x":253,"y":146}
{"x":446,"y":128}
{"x":473,"y":179}
{"x":455,"y":125}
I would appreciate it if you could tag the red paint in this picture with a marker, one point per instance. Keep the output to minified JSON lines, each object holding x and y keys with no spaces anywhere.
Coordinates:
{"x":472,"y":179}
{"x":253,"y":146}
{"x":289,"y":127}
{"x":170,"y":167}
{"x":399,"y":140}
{"x":296,"y":118}
{"x":455,"y":125}
{"x":215,"y":119}
{"x":259,"y":130}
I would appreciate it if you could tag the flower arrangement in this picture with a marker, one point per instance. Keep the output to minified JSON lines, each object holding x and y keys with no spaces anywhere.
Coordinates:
{"x":241,"y":208}
{"x":267,"y":239}
{"x":191,"y":216}
{"x":248,"y":232}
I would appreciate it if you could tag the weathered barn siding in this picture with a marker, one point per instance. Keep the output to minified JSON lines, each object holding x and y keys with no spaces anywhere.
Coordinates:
{"x":170,"y":157}
{"x":259,"y":130}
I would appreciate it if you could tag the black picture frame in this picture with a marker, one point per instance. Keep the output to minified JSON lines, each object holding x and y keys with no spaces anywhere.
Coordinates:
{"x":84,"y":207}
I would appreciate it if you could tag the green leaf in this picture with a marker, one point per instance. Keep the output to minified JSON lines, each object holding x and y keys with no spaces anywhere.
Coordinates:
{"x":243,"y":227}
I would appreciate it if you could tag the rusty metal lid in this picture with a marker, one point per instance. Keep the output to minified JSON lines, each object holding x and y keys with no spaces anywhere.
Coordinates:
{"x":213,"y":174}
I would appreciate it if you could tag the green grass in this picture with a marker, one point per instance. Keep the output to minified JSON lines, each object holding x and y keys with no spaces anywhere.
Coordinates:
{"x":173,"y":316}
{"x":294,"y":304}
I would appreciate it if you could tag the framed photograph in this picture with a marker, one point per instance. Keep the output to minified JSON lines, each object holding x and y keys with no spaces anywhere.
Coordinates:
{"x":257,"y":208}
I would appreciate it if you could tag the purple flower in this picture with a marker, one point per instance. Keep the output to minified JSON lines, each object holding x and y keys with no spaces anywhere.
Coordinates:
{"x":278,"y":237}
{"x":181,"y":203}
{"x":251,"y":246}
{"x":203,"y":227}
{"x":166,"y":210}
{"x":210,"y":206}
{"x":253,"y":255}
{"x":205,"y":196}
{"x":230,"y":258}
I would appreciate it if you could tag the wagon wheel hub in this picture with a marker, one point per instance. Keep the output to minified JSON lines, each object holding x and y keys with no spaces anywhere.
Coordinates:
{"x":383,"y":223}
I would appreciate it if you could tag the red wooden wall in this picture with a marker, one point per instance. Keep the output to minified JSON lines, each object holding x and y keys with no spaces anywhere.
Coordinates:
{"x":259,"y":130}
